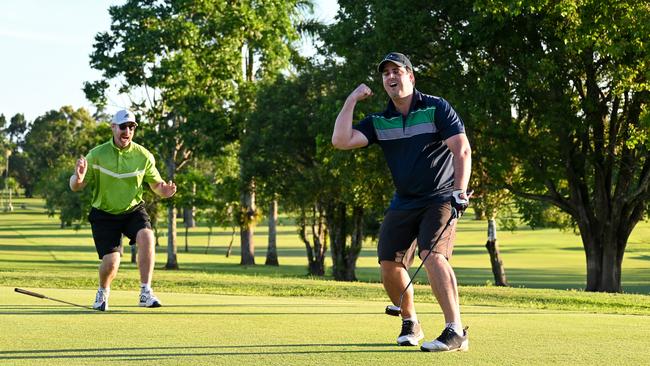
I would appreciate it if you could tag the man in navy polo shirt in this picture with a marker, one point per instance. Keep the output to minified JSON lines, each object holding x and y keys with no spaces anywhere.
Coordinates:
{"x":429,"y":157}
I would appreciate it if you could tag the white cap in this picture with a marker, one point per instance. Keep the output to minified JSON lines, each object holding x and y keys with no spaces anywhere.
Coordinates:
{"x":124,"y":116}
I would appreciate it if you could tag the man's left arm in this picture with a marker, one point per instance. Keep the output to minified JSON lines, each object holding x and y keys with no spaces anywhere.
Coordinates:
{"x":459,"y":146}
{"x":164,"y":190}
{"x":155,"y":181}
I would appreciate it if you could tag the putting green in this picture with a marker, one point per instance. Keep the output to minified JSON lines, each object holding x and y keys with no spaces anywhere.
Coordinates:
{"x":196,"y":329}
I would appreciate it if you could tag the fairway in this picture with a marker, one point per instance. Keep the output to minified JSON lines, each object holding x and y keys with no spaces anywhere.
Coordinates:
{"x":217,"y":312}
{"x":193,"y":329}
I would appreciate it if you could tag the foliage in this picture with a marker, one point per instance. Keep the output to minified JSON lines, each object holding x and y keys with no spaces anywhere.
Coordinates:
{"x":576,"y":80}
{"x":73,"y":207}
{"x":66,"y":132}
{"x":290,"y":152}
{"x":219,"y":200}
{"x":187,"y":58}
{"x":553,"y":95}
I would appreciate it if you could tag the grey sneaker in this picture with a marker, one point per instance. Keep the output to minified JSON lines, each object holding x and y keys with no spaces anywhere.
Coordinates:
{"x":101,"y":301}
{"x":411,"y":334}
{"x":149,"y":300}
{"x":448,"y":341}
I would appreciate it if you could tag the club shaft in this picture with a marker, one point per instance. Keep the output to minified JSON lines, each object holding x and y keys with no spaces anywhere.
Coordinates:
{"x":41,"y":296}
{"x":70,"y":303}
{"x":433,"y":245}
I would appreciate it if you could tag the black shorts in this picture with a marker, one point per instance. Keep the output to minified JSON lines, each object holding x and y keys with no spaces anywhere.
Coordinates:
{"x":108,"y":228}
{"x":401,"y":230}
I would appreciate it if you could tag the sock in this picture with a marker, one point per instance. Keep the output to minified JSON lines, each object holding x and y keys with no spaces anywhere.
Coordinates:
{"x":106,"y":290}
{"x":457,"y":327}
{"x":145,"y":287}
{"x":414,"y":319}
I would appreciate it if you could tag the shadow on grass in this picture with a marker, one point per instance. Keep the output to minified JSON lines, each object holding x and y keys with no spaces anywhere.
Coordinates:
{"x":134,"y":353}
{"x":39,"y":227}
{"x":44,"y":248}
{"x":313,"y":309}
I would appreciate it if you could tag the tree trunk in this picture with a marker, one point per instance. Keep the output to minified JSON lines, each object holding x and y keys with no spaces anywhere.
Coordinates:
{"x":315,"y":253}
{"x":344,"y":257}
{"x":247,"y":228}
{"x":209,"y":237}
{"x":172,"y":260}
{"x":479,"y":213}
{"x":604,"y":252}
{"x":188,"y":212}
{"x":495,"y":257}
{"x":356,"y":241}
{"x":232,"y":239}
{"x":272,"y":251}
{"x":337,"y":224}
{"x":188,"y":216}
{"x":187,"y":245}
{"x":156,"y":235}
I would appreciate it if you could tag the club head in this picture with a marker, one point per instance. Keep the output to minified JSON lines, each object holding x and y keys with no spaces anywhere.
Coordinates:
{"x":393,"y":310}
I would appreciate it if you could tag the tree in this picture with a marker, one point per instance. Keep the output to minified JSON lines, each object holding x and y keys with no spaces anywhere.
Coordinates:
{"x":269,"y":30}
{"x":218,"y":201}
{"x":329,"y":191}
{"x":181,"y":57}
{"x":72,"y":207}
{"x":565,"y":83}
{"x":288,"y":171}
{"x":63,"y":133}
{"x":17,"y":127}
{"x":578,"y":89}
{"x":185,"y":58}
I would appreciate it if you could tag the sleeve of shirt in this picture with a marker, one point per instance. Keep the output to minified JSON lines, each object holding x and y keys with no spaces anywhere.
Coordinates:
{"x":367,"y":128}
{"x":151,"y":174}
{"x":447,"y":121}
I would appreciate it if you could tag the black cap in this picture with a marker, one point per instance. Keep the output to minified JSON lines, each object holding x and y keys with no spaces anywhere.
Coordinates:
{"x":397,"y":58}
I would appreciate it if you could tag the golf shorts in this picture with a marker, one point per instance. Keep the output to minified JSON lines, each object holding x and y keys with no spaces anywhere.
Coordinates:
{"x":108,"y":228}
{"x":402,"y":231}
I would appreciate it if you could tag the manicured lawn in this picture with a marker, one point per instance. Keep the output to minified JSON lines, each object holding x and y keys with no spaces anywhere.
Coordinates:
{"x":199,"y":329}
{"x":218,"y":312}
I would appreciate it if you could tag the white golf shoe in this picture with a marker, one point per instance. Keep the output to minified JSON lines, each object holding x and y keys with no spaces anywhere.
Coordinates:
{"x":101,"y":301}
{"x":149,"y":300}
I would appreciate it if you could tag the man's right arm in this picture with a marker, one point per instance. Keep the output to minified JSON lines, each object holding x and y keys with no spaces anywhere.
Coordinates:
{"x":344,"y":137}
{"x":77,"y":179}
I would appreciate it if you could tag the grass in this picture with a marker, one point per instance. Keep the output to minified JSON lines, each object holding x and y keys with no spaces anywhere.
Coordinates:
{"x":195,"y":329}
{"x":218,"y":312}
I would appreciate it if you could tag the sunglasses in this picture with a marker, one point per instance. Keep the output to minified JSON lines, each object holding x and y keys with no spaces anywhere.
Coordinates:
{"x":131,"y":126}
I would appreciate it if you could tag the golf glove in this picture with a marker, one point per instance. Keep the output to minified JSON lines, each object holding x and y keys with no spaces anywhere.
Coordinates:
{"x":459,"y":201}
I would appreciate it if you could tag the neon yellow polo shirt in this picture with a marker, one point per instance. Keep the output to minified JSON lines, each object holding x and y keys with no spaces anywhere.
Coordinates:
{"x":116,"y":176}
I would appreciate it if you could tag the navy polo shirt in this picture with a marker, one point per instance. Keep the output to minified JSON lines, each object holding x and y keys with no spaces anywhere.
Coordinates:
{"x":414,"y":147}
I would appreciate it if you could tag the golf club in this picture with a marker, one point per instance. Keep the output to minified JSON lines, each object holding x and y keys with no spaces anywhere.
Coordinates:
{"x":41,"y":296}
{"x":396,"y":310}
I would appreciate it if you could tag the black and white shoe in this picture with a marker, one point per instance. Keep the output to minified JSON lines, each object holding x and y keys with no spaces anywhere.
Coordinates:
{"x":448,"y":341}
{"x":149,"y":300}
{"x":101,"y":301}
{"x":411,"y":334}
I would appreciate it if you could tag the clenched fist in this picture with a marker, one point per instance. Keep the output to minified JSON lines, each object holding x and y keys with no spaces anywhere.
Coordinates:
{"x":360,"y":93}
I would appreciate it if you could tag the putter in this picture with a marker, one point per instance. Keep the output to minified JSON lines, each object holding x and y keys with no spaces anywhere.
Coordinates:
{"x":396,"y":310}
{"x":41,"y":296}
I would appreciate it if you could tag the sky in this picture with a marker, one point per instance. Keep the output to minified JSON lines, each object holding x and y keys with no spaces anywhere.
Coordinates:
{"x":44,"y":53}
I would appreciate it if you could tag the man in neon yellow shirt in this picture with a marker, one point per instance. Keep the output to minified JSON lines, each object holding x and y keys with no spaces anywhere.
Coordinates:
{"x":116,"y":172}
